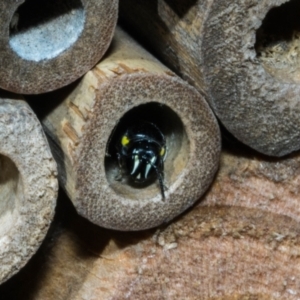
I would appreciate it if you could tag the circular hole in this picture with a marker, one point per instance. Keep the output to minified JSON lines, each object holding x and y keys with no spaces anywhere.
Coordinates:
{"x":43,"y":29}
{"x":176,"y":158}
{"x":278,"y":42}
{"x":10,"y":189}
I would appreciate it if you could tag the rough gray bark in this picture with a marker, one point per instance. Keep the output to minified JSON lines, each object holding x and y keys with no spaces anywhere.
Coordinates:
{"x":45,"y":46}
{"x":80,"y":126}
{"x":248,"y":72}
{"x":28,"y":185}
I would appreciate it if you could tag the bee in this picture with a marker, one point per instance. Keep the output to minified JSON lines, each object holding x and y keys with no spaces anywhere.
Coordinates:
{"x":141,"y":152}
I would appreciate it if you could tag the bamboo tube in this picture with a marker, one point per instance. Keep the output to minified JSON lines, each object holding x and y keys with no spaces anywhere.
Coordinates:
{"x":128,"y":85}
{"x":237,"y":54}
{"x":46,"y":45}
{"x":28,"y":185}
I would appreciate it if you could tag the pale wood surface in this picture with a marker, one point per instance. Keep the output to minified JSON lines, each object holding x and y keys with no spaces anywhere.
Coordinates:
{"x":249,"y":73}
{"x":28,"y":184}
{"x":230,"y":246}
{"x":86,"y":114}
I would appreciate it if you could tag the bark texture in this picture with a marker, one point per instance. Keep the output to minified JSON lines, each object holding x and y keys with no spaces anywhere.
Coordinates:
{"x":130,"y":84}
{"x":237,"y":55}
{"x":44,"y":46}
{"x":28,"y":185}
{"x":236,"y":244}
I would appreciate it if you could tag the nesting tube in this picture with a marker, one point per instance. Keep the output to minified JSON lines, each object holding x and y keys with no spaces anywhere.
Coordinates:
{"x":46,"y":45}
{"x":28,"y":185}
{"x":127,"y":86}
{"x":243,"y":56}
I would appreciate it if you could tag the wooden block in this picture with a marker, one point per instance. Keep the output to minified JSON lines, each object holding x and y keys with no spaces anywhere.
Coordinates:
{"x":45,"y":46}
{"x":239,"y":243}
{"x":28,"y":185}
{"x":129,"y":85}
{"x":237,"y":55}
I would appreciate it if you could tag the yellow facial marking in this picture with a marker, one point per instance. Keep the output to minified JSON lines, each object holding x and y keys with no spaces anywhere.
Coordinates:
{"x":162,"y":151}
{"x":125,"y":140}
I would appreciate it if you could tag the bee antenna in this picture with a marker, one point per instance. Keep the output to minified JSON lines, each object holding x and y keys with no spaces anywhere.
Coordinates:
{"x":161,"y":183}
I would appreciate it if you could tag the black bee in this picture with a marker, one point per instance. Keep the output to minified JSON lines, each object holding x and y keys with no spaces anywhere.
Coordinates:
{"x":141,"y":152}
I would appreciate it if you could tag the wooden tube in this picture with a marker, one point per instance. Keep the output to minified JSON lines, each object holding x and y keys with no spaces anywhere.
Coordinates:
{"x":236,"y":54}
{"x":47,"y":45}
{"x":28,"y":185}
{"x":128,"y":85}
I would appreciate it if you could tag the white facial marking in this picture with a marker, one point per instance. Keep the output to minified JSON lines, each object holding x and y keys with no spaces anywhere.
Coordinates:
{"x":136,"y":164}
{"x":139,"y":176}
{"x":148,"y":167}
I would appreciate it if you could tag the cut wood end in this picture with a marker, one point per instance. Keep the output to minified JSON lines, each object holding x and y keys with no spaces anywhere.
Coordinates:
{"x":253,"y":97}
{"x":193,"y":141}
{"x":81,"y":31}
{"x":28,"y":185}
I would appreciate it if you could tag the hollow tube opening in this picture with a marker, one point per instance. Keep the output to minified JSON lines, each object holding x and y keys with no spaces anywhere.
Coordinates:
{"x":278,"y":42}
{"x":10,"y":191}
{"x":41,"y":30}
{"x":169,"y":123}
